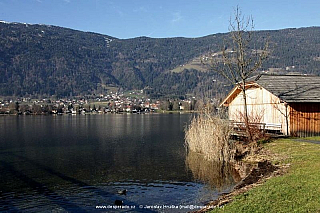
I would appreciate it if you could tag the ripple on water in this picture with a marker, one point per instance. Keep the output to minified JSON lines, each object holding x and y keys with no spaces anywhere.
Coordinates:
{"x":86,"y":198}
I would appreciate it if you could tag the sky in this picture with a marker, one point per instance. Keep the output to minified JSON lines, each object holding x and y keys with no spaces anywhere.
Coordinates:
{"x":160,"y":19}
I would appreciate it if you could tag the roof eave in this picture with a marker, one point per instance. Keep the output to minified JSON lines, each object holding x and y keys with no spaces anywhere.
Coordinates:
{"x":233,"y":91}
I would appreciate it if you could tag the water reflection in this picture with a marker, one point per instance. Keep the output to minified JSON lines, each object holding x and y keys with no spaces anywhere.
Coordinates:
{"x":103,"y":148}
{"x":218,"y":175}
{"x":73,"y":163}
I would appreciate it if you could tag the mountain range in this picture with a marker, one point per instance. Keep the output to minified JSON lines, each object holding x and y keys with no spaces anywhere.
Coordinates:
{"x":43,"y":60}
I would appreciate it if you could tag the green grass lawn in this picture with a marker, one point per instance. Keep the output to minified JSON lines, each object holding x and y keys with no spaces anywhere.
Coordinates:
{"x":296,"y":191}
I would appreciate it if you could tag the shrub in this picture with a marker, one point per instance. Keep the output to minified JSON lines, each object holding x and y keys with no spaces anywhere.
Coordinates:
{"x":209,"y":135}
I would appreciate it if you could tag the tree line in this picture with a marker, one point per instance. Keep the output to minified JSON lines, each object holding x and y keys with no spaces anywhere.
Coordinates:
{"x":46,"y":60}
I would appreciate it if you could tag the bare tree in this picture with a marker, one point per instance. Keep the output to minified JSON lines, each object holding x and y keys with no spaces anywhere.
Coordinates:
{"x":239,"y":57}
{"x":282,"y":108}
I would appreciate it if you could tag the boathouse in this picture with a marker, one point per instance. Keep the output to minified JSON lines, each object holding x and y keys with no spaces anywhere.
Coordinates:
{"x":289,"y":104}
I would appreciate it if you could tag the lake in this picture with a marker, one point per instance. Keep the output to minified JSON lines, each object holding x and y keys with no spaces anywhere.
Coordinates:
{"x":80,"y":163}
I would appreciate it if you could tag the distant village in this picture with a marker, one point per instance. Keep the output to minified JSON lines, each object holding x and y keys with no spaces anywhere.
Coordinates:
{"x":132,"y":102}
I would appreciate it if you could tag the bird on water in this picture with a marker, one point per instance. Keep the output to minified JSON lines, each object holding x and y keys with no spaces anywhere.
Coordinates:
{"x":122,"y":192}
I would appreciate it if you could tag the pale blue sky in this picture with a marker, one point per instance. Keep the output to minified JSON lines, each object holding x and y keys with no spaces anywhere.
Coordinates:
{"x":165,"y":18}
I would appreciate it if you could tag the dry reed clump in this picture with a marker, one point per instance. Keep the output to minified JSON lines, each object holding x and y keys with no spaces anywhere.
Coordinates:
{"x":209,"y":135}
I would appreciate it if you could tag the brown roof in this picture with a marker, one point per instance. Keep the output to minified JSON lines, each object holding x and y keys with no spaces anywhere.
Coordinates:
{"x":291,"y":88}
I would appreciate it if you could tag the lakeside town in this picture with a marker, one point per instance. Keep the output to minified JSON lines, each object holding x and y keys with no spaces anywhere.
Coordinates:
{"x":122,"y":102}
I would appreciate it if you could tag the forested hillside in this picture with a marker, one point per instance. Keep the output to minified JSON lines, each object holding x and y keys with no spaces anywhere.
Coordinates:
{"x":49,"y":60}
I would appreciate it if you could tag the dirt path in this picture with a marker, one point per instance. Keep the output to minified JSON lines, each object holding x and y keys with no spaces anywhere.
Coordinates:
{"x":307,"y":141}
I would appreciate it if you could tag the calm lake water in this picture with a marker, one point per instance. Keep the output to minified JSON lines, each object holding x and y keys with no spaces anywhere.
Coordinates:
{"x":75,"y":163}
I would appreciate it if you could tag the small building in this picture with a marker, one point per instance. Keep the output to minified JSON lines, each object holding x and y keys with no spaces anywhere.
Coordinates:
{"x":286,"y":103}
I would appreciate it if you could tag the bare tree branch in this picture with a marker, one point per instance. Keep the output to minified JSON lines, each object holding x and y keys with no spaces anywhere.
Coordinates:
{"x":241,"y":61}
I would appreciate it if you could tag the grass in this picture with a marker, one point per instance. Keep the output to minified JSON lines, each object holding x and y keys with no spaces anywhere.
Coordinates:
{"x":194,"y":64}
{"x":296,"y":191}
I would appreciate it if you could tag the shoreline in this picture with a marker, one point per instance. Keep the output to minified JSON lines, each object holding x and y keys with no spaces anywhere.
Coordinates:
{"x":257,"y":176}
{"x":97,"y":113}
{"x":293,"y":187}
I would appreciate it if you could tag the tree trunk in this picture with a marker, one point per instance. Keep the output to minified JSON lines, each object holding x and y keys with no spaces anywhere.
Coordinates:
{"x":246,"y":117}
{"x":287,"y":119}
